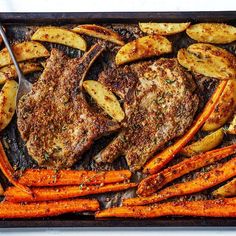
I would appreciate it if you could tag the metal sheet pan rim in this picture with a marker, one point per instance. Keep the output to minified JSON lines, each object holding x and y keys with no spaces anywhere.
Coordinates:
{"x":90,"y":17}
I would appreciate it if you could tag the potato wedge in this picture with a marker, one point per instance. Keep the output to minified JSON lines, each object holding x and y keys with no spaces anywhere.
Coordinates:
{"x":232,"y":127}
{"x":205,"y":144}
{"x":100,"y":32}
{"x":105,"y":99}
{"x":224,"y":109}
{"x":163,"y":28}
{"x":59,"y":35}
{"x":226,"y":190}
{"x":208,"y":60}
{"x":148,"y":46}
{"x":212,"y":33}
{"x":7,"y":102}
{"x":9,"y":72}
{"x":23,"y":51}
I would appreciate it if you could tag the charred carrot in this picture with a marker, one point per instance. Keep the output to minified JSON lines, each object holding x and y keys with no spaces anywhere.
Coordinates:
{"x":204,"y":181}
{"x":13,"y":194}
{"x":43,"y":177}
{"x":1,"y":190}
{"x":226,"y":190}
{"x":8,"y":171}
{"x":154,"y":182}
{"x":209,"y":208}
{"x":162,"y":158}
{"x":44,"y":209}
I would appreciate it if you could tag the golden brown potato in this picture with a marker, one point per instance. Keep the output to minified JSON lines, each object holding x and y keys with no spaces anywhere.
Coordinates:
{"x":61,"y":36}
{"x":205,"y":144}
{"x":7,"y":102}
{"x":148,"y":46}
{"x":232,"y":127}
{"x":208,"y":60}
{"x":105,"y":99}
{"x":212,"y":33}
{"x":23,"y":52}
{"x":98,"y":31}
{"x":226,"y":190}
{"x":224,"y":108}
{"x":9,"y":72}
{"x":163,"y":28}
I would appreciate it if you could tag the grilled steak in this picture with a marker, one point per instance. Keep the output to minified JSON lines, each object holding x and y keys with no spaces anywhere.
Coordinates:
{"x":54,"y":118}
{"x":159,"y":103}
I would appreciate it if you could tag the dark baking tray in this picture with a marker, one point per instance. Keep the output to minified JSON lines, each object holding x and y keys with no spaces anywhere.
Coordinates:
{"x":71,"y":220}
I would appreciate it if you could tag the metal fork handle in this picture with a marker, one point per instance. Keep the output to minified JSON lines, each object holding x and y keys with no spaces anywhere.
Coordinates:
{"x":8,"y":46}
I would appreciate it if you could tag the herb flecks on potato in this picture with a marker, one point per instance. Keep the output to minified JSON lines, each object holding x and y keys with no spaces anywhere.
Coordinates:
{"x":105,"y":99}
{"x":208,"y":60}
{"x":7,"y":102}
{"x":148,"y":46}
{"x":9,"y":72}
{"x":212,"y":33}
{"x":23,"y":52}
{"x":163,"y":28}
{"x":224,"y":108}
{"x":61,"y":36}
{"x":100,"y":32}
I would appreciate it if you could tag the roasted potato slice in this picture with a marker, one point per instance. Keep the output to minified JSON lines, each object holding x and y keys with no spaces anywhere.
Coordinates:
{"x":212,"y":33}
{"x":61,"y":36}
{"x":224,"y":108}
{"x":226,"y":190}
{"x":208,"y":60}
{"x":7,"y":102}
{"x":232,"y":127}
{"x":205,"y":144}
{"x":9,"y":72}
{"x":105,"y":99}
{"x":98,"y":31}
{"x":148,"y":46}
{"x":163,"y":28}
{"x":23,"y":52}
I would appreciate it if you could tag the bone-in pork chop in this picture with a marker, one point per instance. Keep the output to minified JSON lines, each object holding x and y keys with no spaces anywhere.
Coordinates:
{"x":54,"y":119}
{"x":159,"y":102}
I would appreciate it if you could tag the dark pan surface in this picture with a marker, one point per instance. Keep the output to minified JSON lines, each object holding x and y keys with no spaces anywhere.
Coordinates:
{"x":19,"y":29}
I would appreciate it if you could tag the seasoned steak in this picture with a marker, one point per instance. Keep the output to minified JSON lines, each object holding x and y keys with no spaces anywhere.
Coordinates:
{"x":159,"y":102}
{"x":54,"y":119}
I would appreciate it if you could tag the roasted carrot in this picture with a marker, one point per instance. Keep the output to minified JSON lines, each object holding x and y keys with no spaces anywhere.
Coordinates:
{"x":1,"y":190}
{"x":13,"y":194}
{"x":43,"y":177}
{"x":154,"y":182}
{"x":210,"y":208}
{"x":9,"y":172}
{"x":226,"y":190}
{"x":162,"y":158}
{"x":44,"y":209}
{"x":204,"y":181}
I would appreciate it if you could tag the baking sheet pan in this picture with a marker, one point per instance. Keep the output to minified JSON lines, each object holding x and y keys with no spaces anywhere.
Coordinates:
{"x":72,"y":220}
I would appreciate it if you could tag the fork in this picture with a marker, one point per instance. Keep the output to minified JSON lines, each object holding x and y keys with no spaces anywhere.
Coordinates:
{"x":24,"y":85}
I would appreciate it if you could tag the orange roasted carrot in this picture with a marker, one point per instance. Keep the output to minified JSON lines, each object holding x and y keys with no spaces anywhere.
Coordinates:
{"x":43,"y":177}
{"x":154,"y":182}
{"x":162,"y":158}
{"x":8,"y":171}
{"x":204,"y":181}
{"x":44,"y":209}
{"x":210,"y":208}
{"x":13,"y":194}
